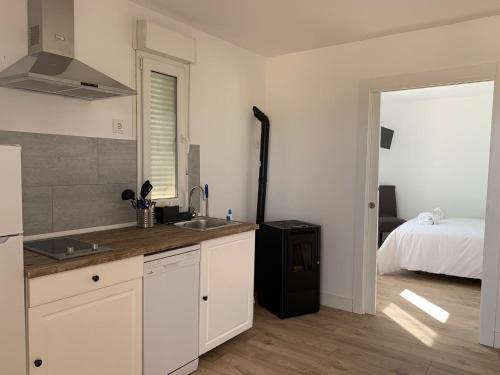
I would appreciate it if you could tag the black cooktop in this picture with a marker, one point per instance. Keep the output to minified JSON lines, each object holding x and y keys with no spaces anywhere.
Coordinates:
{"x":64,"y":247}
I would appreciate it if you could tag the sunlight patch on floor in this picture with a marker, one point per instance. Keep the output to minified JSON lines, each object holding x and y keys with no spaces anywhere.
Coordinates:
{"x":410,"y":324}
{"x":426,"y":306}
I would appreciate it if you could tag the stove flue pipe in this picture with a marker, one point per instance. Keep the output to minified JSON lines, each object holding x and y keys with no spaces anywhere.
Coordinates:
{"x":264,"y":153}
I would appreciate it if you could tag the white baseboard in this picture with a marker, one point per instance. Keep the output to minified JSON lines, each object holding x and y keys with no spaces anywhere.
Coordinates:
{"x":496,"y":344}
{"x":335,"y":301}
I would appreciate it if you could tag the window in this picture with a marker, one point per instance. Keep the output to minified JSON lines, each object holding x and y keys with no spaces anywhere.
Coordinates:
{"x":162,"y":127}
{"x":163,"y":123}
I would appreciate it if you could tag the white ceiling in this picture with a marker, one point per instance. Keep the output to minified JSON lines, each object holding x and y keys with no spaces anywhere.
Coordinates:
{"x":441,"y":92}
{"x":275,"y":27}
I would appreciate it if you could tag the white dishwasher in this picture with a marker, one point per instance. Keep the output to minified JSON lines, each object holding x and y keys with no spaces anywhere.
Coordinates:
{"x":170,"y":311}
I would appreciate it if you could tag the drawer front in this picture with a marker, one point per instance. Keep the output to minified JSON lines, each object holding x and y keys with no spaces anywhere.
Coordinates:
{"x":54,"y":287}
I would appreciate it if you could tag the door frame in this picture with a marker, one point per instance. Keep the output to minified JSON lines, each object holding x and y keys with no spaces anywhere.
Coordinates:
{"x":366,"y":219}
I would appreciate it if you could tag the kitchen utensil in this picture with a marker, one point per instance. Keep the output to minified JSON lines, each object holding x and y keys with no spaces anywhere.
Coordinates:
{"x":128,"y":195}
{"x":146,"y":189}
{"x":144,"y":203}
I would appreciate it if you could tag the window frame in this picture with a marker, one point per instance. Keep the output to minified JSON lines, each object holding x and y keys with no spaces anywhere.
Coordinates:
{"x":145,"y":63}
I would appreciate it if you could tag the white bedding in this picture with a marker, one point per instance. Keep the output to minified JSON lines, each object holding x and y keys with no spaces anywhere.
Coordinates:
{"x":453,"y":247}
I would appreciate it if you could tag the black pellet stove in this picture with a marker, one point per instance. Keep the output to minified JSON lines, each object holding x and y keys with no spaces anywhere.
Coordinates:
{"x":287,"y":267}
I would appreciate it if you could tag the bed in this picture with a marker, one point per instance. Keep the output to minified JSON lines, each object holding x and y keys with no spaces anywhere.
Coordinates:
{"x":453,"y":247}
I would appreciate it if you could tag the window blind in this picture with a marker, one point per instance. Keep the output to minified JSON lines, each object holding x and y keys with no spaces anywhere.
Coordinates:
{"x":163,"y":122}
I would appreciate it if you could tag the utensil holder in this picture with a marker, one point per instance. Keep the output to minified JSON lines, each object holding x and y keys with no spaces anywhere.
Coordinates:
{"x":145,"y":217}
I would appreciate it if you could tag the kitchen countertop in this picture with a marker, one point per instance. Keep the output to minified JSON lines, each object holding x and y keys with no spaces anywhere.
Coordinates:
{"x":126,"y":243}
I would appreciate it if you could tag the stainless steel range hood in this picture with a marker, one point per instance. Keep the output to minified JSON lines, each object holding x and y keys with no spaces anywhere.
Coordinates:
{"x":50,"y":66}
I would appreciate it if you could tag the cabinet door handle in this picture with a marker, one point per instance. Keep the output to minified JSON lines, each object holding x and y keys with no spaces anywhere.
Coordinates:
{"x":95,"y":278}
{"x":205,"y":298}
{"x":38,"y":363}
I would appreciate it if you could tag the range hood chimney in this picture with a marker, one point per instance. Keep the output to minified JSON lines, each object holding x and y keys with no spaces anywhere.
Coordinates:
{"x":50,"y":66}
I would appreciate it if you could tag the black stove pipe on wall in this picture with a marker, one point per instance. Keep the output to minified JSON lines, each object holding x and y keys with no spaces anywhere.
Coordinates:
{"x":264,"y":153}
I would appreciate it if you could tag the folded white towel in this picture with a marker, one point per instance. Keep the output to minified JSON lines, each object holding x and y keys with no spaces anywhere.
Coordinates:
{"x":425,"y":218}
{"x":437,"y":215}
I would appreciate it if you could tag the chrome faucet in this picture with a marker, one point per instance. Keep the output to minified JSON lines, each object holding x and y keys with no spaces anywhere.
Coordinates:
{"x":190,"y":208}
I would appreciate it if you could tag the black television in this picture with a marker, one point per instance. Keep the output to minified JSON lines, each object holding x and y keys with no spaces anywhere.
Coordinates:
{"x":386,"y":135}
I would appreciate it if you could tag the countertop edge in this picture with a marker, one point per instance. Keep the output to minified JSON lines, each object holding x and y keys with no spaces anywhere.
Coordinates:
{"x":39,"y":265}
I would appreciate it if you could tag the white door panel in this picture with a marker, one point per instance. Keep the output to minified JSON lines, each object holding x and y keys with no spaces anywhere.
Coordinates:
{"x":226,"y":289}
{"x":93,"y":333}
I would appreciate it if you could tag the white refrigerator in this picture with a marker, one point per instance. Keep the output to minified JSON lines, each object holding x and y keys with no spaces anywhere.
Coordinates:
{"x":12,"y":310}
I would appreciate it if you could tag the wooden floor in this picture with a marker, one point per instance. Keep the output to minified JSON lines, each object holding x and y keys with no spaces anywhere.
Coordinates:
{"x":401,"y":339}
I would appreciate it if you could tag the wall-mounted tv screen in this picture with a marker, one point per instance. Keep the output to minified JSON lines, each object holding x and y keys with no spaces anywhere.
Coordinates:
{"x":386,"y":137}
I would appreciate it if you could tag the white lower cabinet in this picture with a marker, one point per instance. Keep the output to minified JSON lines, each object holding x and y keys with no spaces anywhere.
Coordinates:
{"x":226,"y":288}
{"x":89,"y":321}
{"x":98,"y":332}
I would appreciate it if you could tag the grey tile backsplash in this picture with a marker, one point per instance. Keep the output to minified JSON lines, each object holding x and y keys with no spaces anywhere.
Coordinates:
{"x":117,"y":161}
{"x":83,"y":206}
{"x":37,"y":209}
{"x":74,"y":182}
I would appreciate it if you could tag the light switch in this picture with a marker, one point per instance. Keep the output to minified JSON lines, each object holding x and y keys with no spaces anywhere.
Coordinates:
{"x":118,"y":126}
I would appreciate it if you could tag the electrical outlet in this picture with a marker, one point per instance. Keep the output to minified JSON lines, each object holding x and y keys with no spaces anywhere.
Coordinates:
{"x":118,"y":126}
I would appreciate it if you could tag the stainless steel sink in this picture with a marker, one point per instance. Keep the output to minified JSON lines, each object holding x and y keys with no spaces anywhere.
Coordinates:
{"x":205,"y":223}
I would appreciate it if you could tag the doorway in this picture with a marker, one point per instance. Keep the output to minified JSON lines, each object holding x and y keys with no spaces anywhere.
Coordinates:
{"x":433,"y":174}
{"x":365,"y":264}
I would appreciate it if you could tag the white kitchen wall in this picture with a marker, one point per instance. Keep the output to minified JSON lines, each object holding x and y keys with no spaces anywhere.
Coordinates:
{"x":312,"y":101}
{"x":440,"y":149}
{"x":226,"y":82}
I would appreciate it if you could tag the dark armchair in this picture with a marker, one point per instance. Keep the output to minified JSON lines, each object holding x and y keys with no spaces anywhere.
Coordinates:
{"x":387,"y":211}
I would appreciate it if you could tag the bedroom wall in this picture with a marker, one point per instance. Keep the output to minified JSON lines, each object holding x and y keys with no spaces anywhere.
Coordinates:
{"x":440,"y":149}
{"x":226,"y":81}
{"x":312,"y":101}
